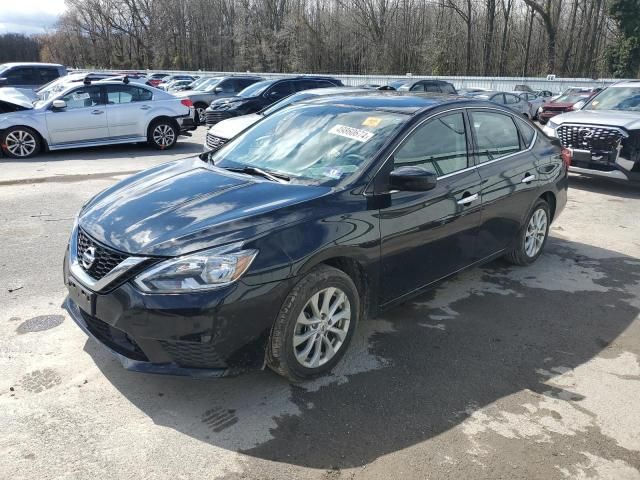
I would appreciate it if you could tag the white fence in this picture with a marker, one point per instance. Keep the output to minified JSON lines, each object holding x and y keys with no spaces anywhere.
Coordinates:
{"x":494,"y":83}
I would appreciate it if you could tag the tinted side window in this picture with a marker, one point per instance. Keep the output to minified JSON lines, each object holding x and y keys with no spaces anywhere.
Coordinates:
{"x":323,"y":84}
{"x":47,"y":74}
{"x":440,"y":146}
{"x":498,"y":98}
{"x":496,"y":135}
{"x":244,"y":83}
{"x":119,"y":94}
{"x":228,"y":86}
{"x":418,"y":87}
{"x":281,"y":90}
{"x":527,"y":132}
{"x":306,"y":85}
{"x":21,"y":76}
{"x":83,"y":97}
{"x":447,"y":88}
{"x":431,"y":87}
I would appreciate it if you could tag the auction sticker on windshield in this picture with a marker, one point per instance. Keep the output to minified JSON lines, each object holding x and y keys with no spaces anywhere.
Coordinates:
{"x":352,"y":133}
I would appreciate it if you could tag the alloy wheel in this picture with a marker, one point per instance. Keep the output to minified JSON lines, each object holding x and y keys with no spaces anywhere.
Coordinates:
{"x":20,"y":143}
{"x":321,"y":327}
{"x":201,"y":114}
{"x":536,"y":233}
{"x":164,"y":135}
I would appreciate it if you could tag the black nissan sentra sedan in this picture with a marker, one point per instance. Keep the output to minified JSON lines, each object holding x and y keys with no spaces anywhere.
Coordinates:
{"x":271,"y":250}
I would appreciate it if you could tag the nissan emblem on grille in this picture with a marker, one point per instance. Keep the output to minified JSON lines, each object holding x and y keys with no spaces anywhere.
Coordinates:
{"x":88,"y":257}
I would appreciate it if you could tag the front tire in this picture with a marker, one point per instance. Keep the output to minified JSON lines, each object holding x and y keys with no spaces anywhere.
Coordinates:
{"x":533,"y":237}
{"x":20,"y":142}
{"x":315,"y":325}
{"x":162,"y":134}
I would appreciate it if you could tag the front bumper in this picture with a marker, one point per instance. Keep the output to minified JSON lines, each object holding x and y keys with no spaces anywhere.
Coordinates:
{"x":211,"y":334}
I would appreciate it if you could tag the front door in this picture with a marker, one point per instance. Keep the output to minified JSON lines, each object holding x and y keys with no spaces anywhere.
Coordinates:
{"x":83,"y":120}
{"x":429,"y":235}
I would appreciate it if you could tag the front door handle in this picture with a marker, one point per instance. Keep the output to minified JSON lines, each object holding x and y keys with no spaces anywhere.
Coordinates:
{"x":528,"y":178}
{"x":145,"y":107}
{"x":97,"y":112}
{"x":468,"y":199}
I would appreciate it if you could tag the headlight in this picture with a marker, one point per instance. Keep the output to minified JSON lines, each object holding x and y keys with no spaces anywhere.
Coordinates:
{"x":552,"y":125}
{"x":204,"y":270}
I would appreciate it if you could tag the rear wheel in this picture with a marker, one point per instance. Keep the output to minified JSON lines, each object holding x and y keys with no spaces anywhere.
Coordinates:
{"x":162,"y":134}
{"x":533,"y":236}
{"x":200,"y":113}
{"x":315,"y":325}
{"x":20,"y":142}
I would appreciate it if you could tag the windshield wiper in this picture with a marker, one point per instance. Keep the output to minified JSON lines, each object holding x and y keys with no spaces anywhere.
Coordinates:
{"x":273,"y":176}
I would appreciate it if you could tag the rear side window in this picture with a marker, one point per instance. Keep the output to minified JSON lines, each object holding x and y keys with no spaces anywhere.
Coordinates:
{"x":498,"y":98}
{"x":440,"y":146}
{"x":431,"y":87}
{"x":119,"y":94}
{"x":527,"y":132}
{"x":48,"y":74}
{"x":447,"y":88}
{"x":496,"y":135}
{"x":281,"y":90}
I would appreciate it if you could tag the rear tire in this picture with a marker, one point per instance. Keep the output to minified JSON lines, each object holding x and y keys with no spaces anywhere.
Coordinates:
{"x":533,"y":236}
{"x":162,"y":134}
{"x":315,"y":325}
{"x":20,"y":142}
{"x":200,"y":113}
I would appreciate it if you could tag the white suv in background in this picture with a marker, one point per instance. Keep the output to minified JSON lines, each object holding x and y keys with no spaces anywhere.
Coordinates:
{"x":91,"y":114}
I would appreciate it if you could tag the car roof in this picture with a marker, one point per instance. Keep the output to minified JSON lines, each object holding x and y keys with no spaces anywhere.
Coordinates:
{"x":391,"y":101}
{"x":628,"y":83}
{"x":30,"y":64}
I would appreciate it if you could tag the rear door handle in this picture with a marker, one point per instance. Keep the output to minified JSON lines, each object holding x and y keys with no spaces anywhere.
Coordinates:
{"x":145,"y":107}
{"x":529,"y":178}
{"x":468,"y":199}
{"x":97,"y":112}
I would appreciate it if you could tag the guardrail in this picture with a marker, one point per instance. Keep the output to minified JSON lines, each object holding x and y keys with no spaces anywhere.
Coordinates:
{"x":556,"y":85}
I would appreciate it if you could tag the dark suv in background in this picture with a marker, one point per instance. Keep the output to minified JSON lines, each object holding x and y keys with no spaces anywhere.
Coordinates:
{"x":262,"y":94}
{"x":29,"y":75}
{"x":433,"y":86}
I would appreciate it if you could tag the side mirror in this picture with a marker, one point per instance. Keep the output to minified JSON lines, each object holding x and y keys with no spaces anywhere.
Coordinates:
{"x":59,"y":104}
{"x":4,"y":82}
{"x":217,"y":90}
{"x":412,"y":179}
{"x":579,"y":105}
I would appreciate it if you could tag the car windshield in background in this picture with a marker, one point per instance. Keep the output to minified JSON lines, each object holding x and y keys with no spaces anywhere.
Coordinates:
{"x":255,"y":89}
{"x":616,"y":98}
{"x":285,"y":102}
{"x":317,"y":143}
{"x":397,"y":84}
{"x":572,"y":98}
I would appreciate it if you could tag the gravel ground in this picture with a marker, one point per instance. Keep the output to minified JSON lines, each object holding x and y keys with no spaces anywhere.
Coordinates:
{"x":501,"y":372}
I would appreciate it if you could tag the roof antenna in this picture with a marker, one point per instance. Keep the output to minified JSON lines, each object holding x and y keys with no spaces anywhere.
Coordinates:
{"x":86,"y":80}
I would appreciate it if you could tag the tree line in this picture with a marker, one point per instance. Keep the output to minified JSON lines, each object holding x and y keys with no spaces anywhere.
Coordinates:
{"x":569,"y":38}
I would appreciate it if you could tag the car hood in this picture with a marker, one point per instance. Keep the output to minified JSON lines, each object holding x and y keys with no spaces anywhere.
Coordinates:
{"x":614,"y":118}
{"x":16,"y":97}
{"x":188,"y":205}
{"x":231,"y":127}
{"x":230,"y":100}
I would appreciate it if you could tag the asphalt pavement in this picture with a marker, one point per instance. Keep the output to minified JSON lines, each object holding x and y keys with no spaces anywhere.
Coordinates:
{"x":500,"y":372}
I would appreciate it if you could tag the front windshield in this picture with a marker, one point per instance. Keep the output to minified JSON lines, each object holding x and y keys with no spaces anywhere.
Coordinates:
{"x":317,"y":143}
{"x":616,"y":98}
{"x":285,"y":102}
{"x":255,"y":89}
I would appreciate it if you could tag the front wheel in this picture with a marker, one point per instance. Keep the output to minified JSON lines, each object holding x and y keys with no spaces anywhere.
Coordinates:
{"x":162,"y":134}
{"x":315,"y":325}
{"x":533,"y":236}
{"x":20,"y":142}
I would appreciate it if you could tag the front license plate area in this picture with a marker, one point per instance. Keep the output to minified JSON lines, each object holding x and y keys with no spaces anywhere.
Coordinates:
{"x":85,"y":299}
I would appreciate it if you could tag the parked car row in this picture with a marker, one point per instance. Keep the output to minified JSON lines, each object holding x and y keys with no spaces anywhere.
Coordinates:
{"x":601,"y":131}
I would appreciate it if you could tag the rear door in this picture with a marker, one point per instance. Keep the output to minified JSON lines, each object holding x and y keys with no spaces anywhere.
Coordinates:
{"x":428,"y":235}
{"x":83,"y":120}
{"x":128,"y":110}
{"x":508,"y":170}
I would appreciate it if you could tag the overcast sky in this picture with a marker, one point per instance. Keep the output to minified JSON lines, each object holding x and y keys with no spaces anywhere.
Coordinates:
{"x":29,"y":16}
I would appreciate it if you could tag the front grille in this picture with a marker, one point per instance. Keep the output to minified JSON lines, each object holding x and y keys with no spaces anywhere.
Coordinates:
{"x":113,"y":338}
{"x":585,"y":137}
{"x":106,"y":259}
{"x":195,"y":355}
{"x":214,"y":143}
{"x":554,"y":109}
{"x":214,"y":116}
